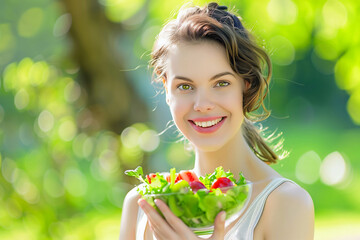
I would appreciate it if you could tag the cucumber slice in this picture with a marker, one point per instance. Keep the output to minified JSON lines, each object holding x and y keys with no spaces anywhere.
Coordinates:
{"x":180,"y":185}
{"x":178,"y":211}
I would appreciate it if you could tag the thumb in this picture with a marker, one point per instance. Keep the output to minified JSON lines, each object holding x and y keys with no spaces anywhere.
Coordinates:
{"x":219,"y":226}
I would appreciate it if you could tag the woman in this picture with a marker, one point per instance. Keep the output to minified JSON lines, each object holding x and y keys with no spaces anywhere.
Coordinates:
{"x":212,"y":73}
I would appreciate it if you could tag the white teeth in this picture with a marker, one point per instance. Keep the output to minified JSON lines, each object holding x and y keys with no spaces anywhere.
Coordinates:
{"x":208,"y":123}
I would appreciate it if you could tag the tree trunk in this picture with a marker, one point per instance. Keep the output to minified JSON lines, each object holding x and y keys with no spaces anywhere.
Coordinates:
{"x":111,"y":99}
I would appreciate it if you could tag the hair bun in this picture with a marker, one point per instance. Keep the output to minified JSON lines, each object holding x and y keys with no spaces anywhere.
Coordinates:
{"x":222,"y":8}
{"x":216,"y":6}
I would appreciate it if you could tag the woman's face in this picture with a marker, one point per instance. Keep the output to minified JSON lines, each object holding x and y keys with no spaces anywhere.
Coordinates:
{"x":204,"y":94}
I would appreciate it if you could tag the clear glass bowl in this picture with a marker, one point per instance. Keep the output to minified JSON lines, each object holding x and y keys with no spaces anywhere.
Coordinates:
{"x":198,"y":210}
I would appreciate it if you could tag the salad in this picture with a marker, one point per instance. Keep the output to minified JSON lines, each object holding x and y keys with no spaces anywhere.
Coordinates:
{"x":195,"y":200}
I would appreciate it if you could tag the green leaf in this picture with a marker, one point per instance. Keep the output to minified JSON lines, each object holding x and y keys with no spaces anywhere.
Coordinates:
{"x":137,"y":172}
{"x":219,"y":172}
{"x":241,"y":180}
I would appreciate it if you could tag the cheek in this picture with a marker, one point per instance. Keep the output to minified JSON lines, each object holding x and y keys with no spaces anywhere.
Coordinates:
{"x":179,"y":112}
{"x":233,"y":99}
{"x":178,"y":107}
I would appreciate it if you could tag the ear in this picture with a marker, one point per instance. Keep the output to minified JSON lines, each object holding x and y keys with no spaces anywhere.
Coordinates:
{"x":247,"y":85}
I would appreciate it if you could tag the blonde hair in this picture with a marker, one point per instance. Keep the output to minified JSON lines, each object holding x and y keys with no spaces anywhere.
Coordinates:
{"x":246,"y":58}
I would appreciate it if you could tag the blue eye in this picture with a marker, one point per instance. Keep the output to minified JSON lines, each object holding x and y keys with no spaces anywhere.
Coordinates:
{"x":222,"y":84}
{"x":184,"y":87}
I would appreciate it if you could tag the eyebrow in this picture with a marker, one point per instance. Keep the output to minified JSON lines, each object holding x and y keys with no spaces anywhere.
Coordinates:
{"x":211,"y":79}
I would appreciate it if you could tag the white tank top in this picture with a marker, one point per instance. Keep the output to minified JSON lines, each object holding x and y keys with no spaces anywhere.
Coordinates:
{"x":244,"y":228}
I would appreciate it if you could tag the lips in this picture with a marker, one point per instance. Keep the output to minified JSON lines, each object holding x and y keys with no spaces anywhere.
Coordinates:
{"x":207,"y":125}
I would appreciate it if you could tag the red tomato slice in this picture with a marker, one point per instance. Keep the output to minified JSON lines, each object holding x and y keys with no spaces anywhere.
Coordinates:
{"x":222,"y":182}
{"x":178,"y":177}
{"x":150,"y":176}
{"x":188,"y":175}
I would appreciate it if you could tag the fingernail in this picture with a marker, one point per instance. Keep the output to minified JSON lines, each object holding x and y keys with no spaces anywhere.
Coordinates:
{"x":156,"y":201}
{"x":223,"y":216}
{"x":141,"y":202}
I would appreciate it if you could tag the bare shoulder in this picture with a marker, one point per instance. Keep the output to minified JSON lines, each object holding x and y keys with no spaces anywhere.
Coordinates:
{"x":289,"y":191}
{"x":289,"y":213}
{"x":129,"y":215}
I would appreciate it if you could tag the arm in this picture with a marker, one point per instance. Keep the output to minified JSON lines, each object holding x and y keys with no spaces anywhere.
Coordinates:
{"x":129,"y":215}
{"x":289,"y":214}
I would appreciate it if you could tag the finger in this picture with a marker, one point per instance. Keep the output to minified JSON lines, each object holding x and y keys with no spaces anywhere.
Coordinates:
{"x":175,"y":222}
{"x":219,"y":226}
{"x":157,"y":222}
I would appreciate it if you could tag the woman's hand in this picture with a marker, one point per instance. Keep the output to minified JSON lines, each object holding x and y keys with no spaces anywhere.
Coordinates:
{"x":173,"y":228}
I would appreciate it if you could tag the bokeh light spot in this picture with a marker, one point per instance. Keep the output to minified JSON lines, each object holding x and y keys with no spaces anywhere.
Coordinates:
{"x":120,"y":10}
{"x":353,"y":106}
{"x":67,"y":130}
{"x":129,"y":137}
{"x":88,"y":147}
{"x":333,"y":169}
{"x":148,"y":35}
{"x":334,"y":14}
{"x":22,"y":73}
{"x":284,"y":51}
{"x":109,"y":161}
{"x":106,"y":140}
{"x":21,"y":99}
{"x":25,"y":187}
{"x":77,"y":144}
{"x":21,"y":183}
{"x":8,"y":167}
{"x":347,"y":70}
{"x":282,"y":11}
{"x":62,"y":25}
{"x":72,"y":91}
{"x":46,"y":121}
{"x":82,"y":145}
{"x":30,"y":22}
{"x":10,"y":76}
{"x":149,"y":140}
{"x":7,"y":40}
{"x":308,"y":167}
{"x":39,"y":73}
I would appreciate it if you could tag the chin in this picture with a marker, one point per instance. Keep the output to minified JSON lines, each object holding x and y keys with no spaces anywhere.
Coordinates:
{"x":207,"y":147}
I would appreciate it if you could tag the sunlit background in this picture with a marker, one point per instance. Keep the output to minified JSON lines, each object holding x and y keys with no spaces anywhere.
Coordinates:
{"x":77,"y":109}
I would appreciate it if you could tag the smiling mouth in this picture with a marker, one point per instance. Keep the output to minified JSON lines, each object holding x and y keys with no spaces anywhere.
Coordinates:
{"x":208,"y":124}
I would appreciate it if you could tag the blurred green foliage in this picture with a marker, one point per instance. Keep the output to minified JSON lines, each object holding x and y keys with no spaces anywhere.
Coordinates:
{"x":58,"y":181}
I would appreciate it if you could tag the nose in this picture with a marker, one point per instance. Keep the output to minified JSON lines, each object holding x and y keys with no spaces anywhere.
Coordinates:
{"x":203,"y":102}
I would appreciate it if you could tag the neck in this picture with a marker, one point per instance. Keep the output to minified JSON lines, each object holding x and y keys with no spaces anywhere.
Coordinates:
{"x":235,"y":156}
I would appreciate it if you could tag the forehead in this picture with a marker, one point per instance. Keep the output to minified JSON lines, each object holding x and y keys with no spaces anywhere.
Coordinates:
{"x":199,"y":60}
